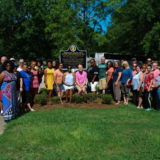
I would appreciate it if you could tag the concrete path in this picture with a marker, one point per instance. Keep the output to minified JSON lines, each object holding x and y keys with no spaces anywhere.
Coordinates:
{"x":2,"y":123}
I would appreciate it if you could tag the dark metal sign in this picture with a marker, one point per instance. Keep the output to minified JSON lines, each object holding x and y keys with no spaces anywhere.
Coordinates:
{"x":73,"y":57}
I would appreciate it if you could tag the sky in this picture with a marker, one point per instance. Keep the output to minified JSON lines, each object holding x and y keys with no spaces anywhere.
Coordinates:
{"x":106,"y":23}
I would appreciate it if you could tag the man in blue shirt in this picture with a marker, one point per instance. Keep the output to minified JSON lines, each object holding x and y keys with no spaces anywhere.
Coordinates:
{"x":26,"y":86}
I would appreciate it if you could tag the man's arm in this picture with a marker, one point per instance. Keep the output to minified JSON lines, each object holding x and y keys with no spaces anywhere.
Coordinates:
{"x":95,"y":74}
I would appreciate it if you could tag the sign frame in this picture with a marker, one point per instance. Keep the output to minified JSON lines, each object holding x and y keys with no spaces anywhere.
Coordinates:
{"x":73,"y":49}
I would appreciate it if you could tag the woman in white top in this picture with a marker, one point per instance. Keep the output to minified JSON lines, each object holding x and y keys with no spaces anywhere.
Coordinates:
{"x":137,"y":86}
{"x":69,"y":81}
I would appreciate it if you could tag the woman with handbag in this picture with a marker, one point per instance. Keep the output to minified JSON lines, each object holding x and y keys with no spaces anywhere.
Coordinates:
{"x":126,"y":81}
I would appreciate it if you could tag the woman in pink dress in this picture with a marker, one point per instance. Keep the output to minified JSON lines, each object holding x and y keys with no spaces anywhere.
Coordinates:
{"x":34,"y":81}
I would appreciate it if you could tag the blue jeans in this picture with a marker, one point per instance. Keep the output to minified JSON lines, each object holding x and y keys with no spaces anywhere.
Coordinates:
{"x":158,"y":98}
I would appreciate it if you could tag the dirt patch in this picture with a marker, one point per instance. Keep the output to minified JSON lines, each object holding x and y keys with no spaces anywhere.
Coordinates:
{"x":81,"y":105}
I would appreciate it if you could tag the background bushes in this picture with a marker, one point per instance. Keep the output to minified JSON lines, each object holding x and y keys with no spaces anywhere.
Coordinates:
{"x":91,"y":97}
{"x":42,"y":97}
{"x":77,"y":98}
{"x":55,"y":100}
{"x":107,"y":99}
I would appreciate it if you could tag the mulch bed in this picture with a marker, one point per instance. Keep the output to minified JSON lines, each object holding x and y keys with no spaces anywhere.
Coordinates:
{"x":73,"y":105}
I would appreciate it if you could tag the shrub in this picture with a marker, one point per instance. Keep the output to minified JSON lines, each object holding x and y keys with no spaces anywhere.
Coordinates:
{"x":43,"y":91}
{"x":36,"y":98}
{"x":91,"y":97}
{"x":55,"y":100}
{"x":41,"y":99}
{"x":107,"y":99}
{"x":77,"y":98}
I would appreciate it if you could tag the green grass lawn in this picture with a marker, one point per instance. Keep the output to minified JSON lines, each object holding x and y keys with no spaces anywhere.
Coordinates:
{"x":123,"y":133}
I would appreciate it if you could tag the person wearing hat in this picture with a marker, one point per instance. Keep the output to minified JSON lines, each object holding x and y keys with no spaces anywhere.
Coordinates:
{"x":13,"y":60}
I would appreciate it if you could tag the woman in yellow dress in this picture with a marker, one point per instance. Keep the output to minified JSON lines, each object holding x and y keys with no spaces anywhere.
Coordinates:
{"x":49,"y":78}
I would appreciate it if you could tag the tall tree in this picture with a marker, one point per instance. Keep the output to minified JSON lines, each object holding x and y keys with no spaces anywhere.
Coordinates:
{"x":41,"y":28}
{"x":135,"y":29}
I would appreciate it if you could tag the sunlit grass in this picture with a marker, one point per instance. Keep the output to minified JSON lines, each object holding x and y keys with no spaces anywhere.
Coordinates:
{"x":123,"y":133}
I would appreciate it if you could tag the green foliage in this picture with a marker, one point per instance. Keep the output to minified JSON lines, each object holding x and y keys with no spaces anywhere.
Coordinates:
{"x":41,"y":99}
{"x":55,"y":100}
{"x":41,"y":28}
{"x":135,"y":29}
{"x":151,"y":41}
{"x":77,"y":98}
{"x":107,"y":99}
{"x":91,"y":97}
{"x":43,"y":91}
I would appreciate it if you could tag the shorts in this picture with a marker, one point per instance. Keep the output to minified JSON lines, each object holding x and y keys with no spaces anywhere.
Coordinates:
{"x":68,"y":87}
{"x":26,"y":97}
{"x":94,"y":86}
{"x":79,"y":87}
{"x":138,"y":93}
{"x":125,"y":90}
{"x":102,"y":84}
{"x":61,"y":87}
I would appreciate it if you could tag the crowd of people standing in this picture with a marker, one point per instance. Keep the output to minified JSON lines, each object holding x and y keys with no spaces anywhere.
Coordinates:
{"x":20,"y":83}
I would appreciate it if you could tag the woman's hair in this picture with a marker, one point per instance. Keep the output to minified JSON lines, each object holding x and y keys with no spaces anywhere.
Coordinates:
{"x":32,"y":62}
{"x":39,"y":62}
{"x":149,"y":65}
{"x":117,"y":62}
{"x":144,"y":65}
{"x":139,"y":66}
{"x":111,"y":63}
{"x":49,"y":61}
{"x":8,"y":62}
{"x":60,"y":64}
{"x":69,"y":66}
{"x":92,"y":60}
{"x":126,"y":64}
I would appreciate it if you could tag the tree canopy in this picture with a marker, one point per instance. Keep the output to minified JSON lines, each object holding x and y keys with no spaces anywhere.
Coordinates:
{"x":41,"y":28}
{"x":135,"y":29}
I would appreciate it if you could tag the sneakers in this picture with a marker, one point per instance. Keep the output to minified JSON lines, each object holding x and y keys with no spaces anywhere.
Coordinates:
{"x":117,"y":102}
{"x":148,"y":109}
{"x":138,"y":107}
{"x":32,"y":110}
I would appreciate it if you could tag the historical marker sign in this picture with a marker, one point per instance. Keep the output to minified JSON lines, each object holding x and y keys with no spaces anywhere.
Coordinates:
{"x":73,"y":56}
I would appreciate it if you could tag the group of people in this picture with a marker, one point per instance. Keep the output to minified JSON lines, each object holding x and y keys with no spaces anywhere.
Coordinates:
{"x":20,"y":83}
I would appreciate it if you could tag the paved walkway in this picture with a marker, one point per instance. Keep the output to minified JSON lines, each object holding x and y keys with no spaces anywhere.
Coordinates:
{"x":2,"y":123}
